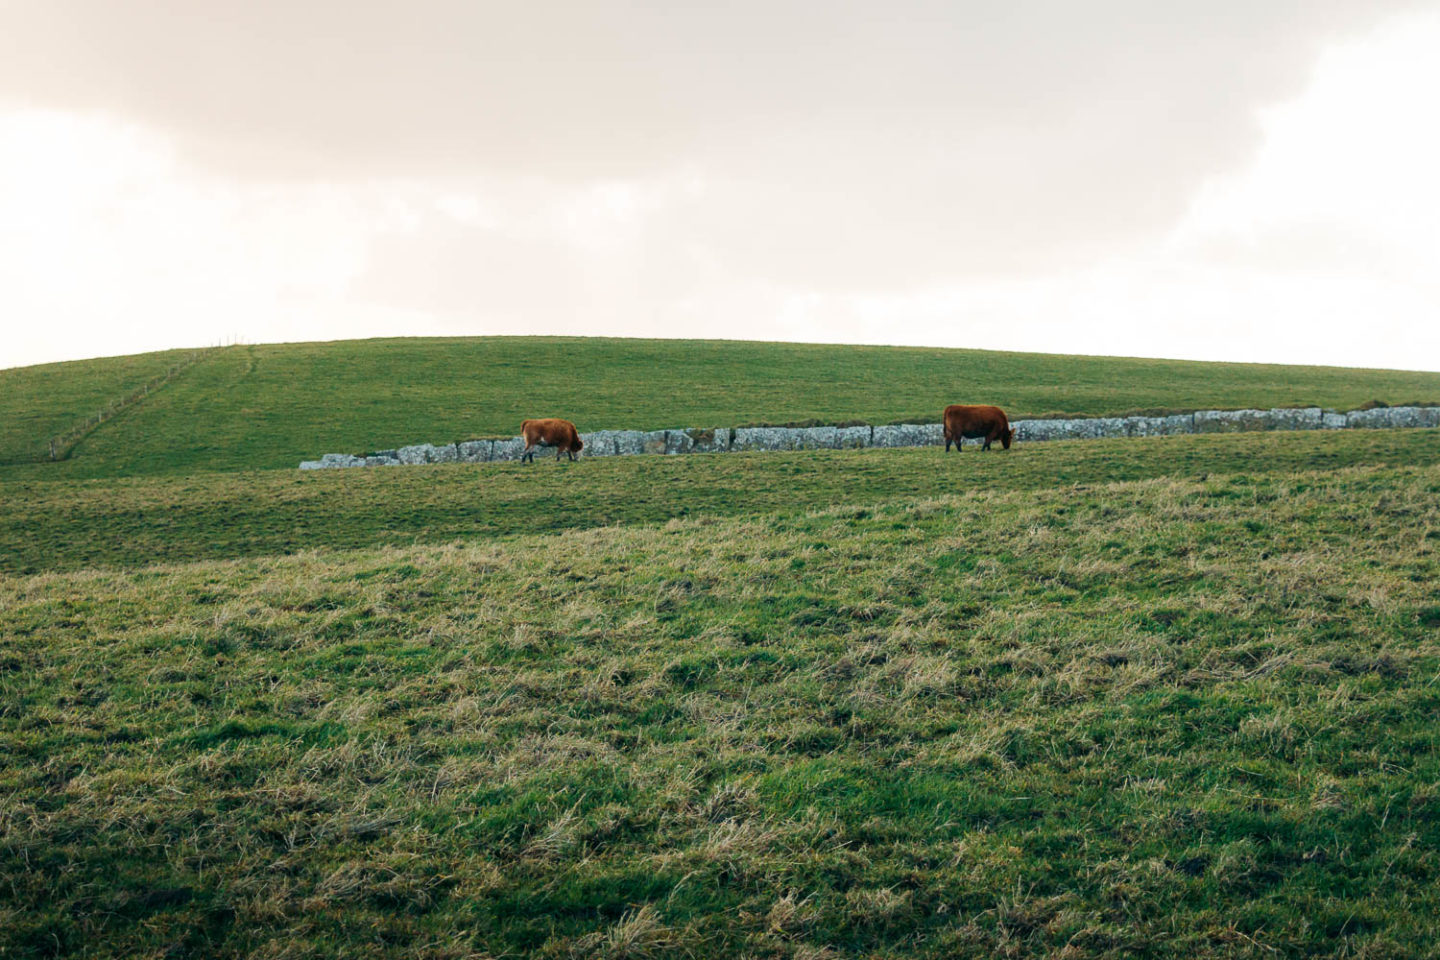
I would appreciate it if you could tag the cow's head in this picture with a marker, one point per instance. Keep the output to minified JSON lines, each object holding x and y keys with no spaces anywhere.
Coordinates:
{"x":577,"y":446}
{"x":1006,"y":437}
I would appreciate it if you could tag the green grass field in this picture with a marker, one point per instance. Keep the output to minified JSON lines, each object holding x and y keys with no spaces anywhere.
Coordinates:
{"x":1161,"y":718}
{"x":258,"y":407}
{"x":1167,"y":697}
{"x":149,"y":520}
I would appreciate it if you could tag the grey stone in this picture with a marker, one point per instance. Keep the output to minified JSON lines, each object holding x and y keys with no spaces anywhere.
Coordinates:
{"x":1031,"y":431}
{"x":1231,"y":421}
{"x":785,"y":438}
{"x":653,"y":441}
{"x":1160,"y":426}
{"x":380,"y":461}
{"x":1294,"y":418}
{"x":331,"y":461}
{"x":1394,"y":417}
{"x":761,"y":438}
{"x":678,"y":441}
{"x":311,"y":465}
{"x":628,"y":443}
{"x":1334,"y":421}
{"x":908,"y":435}
{"x":415,"y":454}
{"x":1091,"y":428}
{"x":475,"y":451}
{"x":599,"y":443}
{"x":852,"y":438}
{"x":444,"y":454}
{"x":1102,"y":428}
{"x":510,"y":449}
{"x":710,"y":441}
{"x":817,"y":438}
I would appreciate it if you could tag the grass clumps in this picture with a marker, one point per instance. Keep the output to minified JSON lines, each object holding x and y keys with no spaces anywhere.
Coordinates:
{"x":1170,"y":717}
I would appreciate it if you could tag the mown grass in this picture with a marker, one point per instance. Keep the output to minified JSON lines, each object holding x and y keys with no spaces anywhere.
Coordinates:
{"x":140,"y":521}
{"x":257,"y":407}
{"x":1163,"y":718}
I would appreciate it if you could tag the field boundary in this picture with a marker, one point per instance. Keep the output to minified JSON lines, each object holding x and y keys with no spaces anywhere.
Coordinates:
{"x":61,"y":445}
{"x":610,"y":443}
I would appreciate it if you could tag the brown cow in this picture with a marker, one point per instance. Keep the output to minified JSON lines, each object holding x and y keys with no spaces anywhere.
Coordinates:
{"x":973,"y":422}
{"x":550,"y":432}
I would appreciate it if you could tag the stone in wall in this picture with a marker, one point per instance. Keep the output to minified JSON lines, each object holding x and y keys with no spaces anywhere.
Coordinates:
{"x":1229,"y":421}
{"x":816,"y":438}
{"x":414,"y":454}
{"x":599,"y":443}
{"x":761,"y":438}
{"x":1101,"y":428}
{"x":629,"y":443}
{"x":1394,"y":417}
{"x":1160,"y":426}
{"x":1079,"y":429}
{"x":677,"y":442}
{"x":511,"y":449}
{"x":1030,"y":431}
{"x":908,"y":435}
{"x":475,"y":451}
{"x":1294,"y":418}
{"x":709,"y":441}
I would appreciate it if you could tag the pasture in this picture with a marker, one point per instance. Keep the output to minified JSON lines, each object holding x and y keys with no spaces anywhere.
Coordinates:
{"x":1165,"y":697}
{"x":1167,"y":717}
{"x":138,"y":521}
{"x":271,"y":406}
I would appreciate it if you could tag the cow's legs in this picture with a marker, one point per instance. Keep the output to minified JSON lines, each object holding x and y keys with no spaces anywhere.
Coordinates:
{"x":529,"y":455}
{"x":947,"y":443}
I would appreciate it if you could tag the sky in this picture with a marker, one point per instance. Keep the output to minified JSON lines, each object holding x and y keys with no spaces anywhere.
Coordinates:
{"x":1228,"y":180}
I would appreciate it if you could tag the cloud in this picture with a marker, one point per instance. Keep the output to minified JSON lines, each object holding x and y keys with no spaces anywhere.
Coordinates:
{"x":1188,"y":180}
{"x":840,"y":141}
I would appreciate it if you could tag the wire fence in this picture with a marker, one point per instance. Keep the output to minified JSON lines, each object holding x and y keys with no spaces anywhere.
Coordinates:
{"x":61,"y":445}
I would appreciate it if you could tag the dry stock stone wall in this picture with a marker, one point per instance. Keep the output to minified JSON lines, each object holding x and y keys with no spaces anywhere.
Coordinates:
{"x":616,"y":443}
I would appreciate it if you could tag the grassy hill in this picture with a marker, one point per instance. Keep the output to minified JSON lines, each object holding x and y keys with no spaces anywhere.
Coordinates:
{"x":257,"y":407}
{"x":1175,"y":717}
{"x":65,"y":525}
{"x":1166,"y":697}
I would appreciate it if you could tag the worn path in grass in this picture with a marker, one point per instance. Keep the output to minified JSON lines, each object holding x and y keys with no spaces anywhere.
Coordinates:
{"x":1168,"y":718}
{"x":255,"y":407}
{"x":142,"y":521}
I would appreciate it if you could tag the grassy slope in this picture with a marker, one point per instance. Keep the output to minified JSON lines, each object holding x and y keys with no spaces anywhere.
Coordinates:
{"x":139,"y":521}
{"x":40,"y":402}
{"x":1169,"y":718}
{"x":271,"y":406}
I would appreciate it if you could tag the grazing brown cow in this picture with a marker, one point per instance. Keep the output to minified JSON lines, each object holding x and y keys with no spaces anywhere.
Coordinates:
{"x":550,"y":432}
{"x":964,"y":422}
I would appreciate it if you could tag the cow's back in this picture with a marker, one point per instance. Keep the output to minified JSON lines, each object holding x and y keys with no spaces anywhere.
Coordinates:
{"x":972,"y":420}
{"x":550,"y":432}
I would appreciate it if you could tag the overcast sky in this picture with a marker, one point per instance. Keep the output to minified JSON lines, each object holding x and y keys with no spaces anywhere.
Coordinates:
{"x":1232,"y":179}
